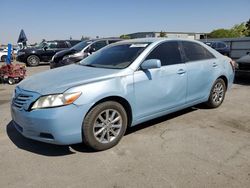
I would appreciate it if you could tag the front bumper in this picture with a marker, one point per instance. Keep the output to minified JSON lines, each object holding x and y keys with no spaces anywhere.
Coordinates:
{"x":61,"y":125}
{"x":61,"y":63}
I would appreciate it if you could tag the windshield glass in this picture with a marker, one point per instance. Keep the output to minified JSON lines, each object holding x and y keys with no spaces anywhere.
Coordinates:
{"x":78,"y":47}
{"x":41,"y":45}
{"x":115,"y":57}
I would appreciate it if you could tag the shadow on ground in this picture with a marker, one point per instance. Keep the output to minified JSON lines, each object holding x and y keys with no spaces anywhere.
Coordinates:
{"x":242,"y":79}
{"x":45,"y":149}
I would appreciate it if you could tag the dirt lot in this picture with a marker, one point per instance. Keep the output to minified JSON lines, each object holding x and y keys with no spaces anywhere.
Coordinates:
{"x":196,"y":147}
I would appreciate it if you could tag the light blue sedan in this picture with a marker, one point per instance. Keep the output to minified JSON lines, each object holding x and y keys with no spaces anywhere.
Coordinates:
{"x":122,"y":85}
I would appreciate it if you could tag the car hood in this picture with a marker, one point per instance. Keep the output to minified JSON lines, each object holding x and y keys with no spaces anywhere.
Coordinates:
{"x":62,"y":53}
{"x":60,"y":79}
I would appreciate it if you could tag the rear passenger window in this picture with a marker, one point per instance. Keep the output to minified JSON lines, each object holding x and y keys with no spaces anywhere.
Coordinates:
{"x":195,"y":52}
{"x":61,"y":45}
{"x":167,"y":52}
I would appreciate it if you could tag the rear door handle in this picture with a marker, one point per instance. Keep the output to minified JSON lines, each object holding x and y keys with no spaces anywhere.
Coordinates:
{"x":181,"y":71}
{"x":215,"y":64}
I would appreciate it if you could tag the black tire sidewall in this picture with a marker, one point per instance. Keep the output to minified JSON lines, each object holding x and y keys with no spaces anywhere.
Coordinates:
{"x":11,"y":81}
{"x":37,"y":62}
{"x":3,"y":58}
{"x":88,"y":123}
{"x":210,"y":103}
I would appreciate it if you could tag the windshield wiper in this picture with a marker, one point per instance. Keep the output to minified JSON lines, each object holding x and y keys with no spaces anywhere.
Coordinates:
{"x":89,"y":65}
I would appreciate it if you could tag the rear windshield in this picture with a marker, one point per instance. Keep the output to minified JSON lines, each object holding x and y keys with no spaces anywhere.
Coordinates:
{"x":115,"y":57}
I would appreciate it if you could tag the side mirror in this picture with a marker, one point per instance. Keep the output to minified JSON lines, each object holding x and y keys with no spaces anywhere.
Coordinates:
{"x":151,"y":64}
{"x":45,"y":48}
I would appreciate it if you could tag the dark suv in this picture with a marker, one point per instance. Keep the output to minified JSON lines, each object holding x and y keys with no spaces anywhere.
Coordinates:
{"x":44,"y":51}
{"x":80,"y":51}
{"x":219,"y":46}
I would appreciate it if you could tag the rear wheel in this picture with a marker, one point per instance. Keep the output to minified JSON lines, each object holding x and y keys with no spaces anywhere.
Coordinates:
{"x":217,"y":94}
{"x":104,"y":125}
{"x":33,"y":60}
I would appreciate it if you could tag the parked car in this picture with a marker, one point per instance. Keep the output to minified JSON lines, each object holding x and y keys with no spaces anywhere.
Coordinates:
{"x":43,"y":52}
{"x":121,"y":85}
{"x":219,"y":46}
{"x":79,"y":51}
{"x":4,"y":53}
{"x":243,"y":65}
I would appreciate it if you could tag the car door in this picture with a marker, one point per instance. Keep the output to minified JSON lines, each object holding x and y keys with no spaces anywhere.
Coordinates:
{"x":48,"y":51}
{"x":160,"y":89}
{"x":200,"y":65}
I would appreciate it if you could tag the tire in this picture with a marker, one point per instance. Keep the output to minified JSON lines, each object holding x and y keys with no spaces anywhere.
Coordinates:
{"x":3,"y":58}
{"x":217,"y":94}
{"x":33,"y":60}
{"x":11,"y":81}
{"x":98,"y":131}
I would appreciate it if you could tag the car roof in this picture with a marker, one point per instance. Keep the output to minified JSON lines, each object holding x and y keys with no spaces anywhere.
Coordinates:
{"x":155,"y":40}
{"x":94,"y":40}
{"x":63,"y":41}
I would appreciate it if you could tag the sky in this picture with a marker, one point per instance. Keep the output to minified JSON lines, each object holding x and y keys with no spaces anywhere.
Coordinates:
{"x":62,"y":19}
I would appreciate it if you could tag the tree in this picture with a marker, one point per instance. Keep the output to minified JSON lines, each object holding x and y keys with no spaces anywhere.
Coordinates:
{"x":220,"y":33}
{"x":163,"y":34}
{"x":125,"y":37}
{"x":248,"y":28}
{"x":238,"y":30}
{"x":84,"y":38}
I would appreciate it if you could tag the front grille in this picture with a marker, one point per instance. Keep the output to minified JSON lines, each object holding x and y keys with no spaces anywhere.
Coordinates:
{"x":244,"y":66}
{"x":22,"y":100}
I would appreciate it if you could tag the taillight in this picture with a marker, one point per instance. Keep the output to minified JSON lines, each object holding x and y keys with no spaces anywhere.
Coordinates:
{"x":233,"y":64}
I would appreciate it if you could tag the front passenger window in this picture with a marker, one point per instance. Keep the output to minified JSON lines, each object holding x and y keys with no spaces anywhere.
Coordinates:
{"x":167,"y":52}
{"x":98,"y":45}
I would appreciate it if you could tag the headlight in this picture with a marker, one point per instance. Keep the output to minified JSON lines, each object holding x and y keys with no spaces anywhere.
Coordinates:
{"x":67,"y":56}
{"x":56,"y":100}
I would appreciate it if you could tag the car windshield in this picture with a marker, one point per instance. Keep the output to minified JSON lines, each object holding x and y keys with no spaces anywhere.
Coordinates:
{"x":41,"y":45}
{"x":115,"y":57}
{"x":78,"y":47}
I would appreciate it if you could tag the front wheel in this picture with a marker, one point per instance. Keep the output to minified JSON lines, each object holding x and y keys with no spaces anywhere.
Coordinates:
{"x":104,"y":125}
{"x":4,"y":58}
{"x":217,"y":94}
{"x":11,"y":81}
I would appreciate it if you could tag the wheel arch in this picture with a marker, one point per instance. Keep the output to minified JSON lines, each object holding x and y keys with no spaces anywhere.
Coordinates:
{"x":224,"y":78}
{"x":119,"y":100}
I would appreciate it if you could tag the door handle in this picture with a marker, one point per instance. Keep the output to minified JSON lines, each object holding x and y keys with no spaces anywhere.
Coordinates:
{"x":181,"y":71}
{"x":215,"y":64}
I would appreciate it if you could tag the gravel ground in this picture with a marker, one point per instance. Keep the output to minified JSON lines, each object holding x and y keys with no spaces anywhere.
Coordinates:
{"x":196,"y":147}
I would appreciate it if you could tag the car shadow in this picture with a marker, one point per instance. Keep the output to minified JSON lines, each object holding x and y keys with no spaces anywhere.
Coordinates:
{"x":51,"y":150}
{"x":242,"y":79}
{"x":161,"y":119}
{"x":42,"y":148}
